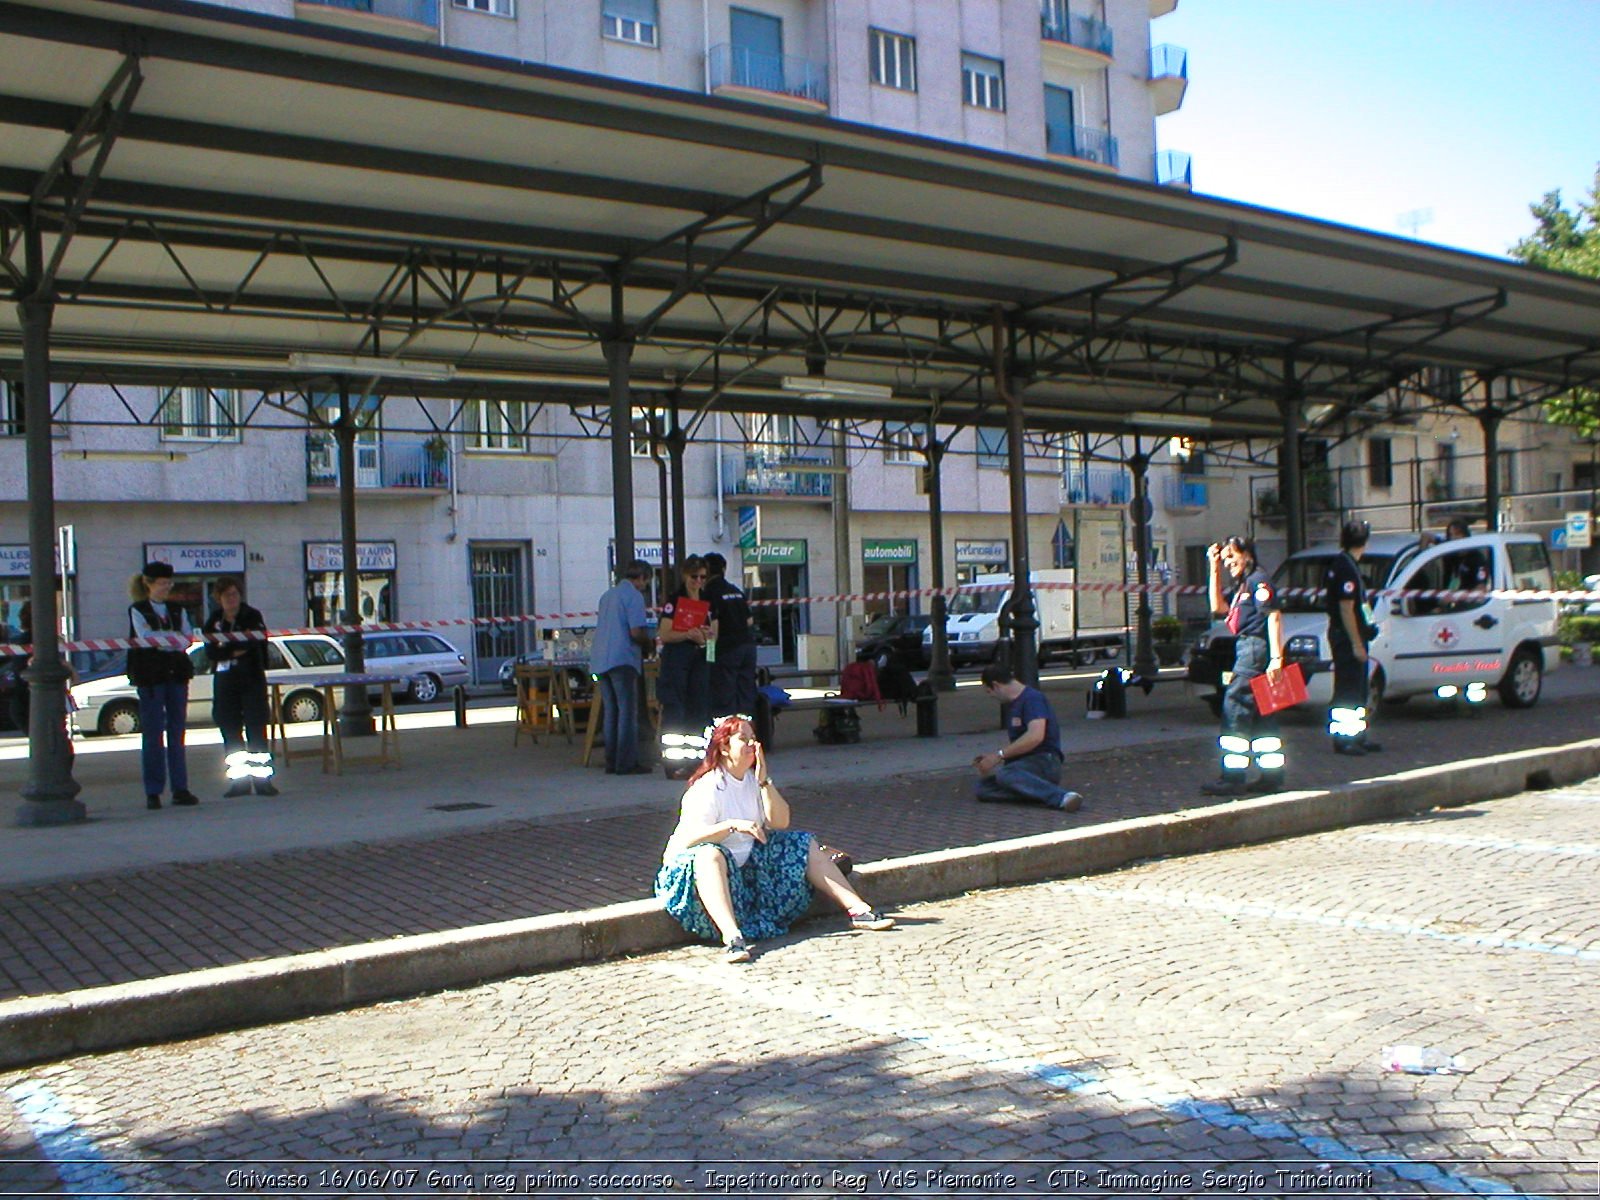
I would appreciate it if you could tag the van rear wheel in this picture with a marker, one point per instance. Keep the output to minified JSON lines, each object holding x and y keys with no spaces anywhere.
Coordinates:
{"x":1524,"y":679}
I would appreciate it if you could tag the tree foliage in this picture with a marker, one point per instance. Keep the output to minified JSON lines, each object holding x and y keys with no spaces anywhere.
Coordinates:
{"x":1568,"y":240}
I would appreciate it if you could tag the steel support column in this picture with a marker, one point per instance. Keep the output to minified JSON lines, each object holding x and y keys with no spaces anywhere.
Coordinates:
{"x":940,"y":677}
{"x":677,"y":444}
{"x":1489,"y":419}
{"x":355,"y":714}
{"x":50,"y":795}
{"x":1022,"y":616}
{"x":1144,"y":655}
{"x":618,"y":349}
{"x":1291,"y":490}
{"x":840,"y":488}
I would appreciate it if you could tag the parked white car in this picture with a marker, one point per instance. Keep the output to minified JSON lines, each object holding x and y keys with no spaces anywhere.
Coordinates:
{"x":1423,"y":643}
{"x":430,"y":664}
{"x":111,"y":705}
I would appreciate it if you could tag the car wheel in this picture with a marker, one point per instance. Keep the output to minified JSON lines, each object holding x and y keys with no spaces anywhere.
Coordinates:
{"x":1523,"y":680}
{"x":301,"y":707}
{"x":119,"y":717}
{"x":424,"y":689}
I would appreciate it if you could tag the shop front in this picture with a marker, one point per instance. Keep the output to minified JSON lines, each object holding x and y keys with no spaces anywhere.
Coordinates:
{"x":16,"y":564}
{"x":194,"y":565}
{"x":981,"y":556}
{"x":889,"y":565}
{"x":375,"y":562}
{"x":776,"y":570}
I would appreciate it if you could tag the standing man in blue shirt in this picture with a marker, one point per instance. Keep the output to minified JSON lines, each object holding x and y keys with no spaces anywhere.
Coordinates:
{"x":616,"y":658}
{"x":1028,"y":767}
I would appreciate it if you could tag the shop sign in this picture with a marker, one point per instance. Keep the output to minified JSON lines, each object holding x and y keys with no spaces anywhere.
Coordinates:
{"x":17,"y":563}
{"x":370,"y":556}
{"x":649,"y":552}
{"x":996,"y":552}
{"x":198,"y":558}
{"x":787,"y":552}
{"x":888,"y":551}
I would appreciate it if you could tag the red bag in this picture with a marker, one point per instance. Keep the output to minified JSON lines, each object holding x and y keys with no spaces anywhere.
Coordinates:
{"x":1290,"y":690}
{"x":689,"y":614}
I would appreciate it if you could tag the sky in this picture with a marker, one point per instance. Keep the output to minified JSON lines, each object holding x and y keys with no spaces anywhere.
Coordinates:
{"x":1359,"y":111}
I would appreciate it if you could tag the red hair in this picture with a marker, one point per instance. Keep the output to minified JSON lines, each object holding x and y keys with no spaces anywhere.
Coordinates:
{"x":717,"y":745}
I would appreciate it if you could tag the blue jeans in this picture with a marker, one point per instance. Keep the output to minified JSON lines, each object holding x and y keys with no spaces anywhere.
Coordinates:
{"x":1035,"y":776}
{"x":163,"y":718}
{"x":620,"y":689}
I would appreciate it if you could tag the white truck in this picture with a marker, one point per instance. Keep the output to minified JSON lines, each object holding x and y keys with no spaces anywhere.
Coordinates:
{"x":972,"y":620}
{"x":1426,"y":645}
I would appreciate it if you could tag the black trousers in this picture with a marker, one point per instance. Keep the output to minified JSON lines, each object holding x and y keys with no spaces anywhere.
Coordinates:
{"x":239,"y":706}
{"x":1349,"y":688}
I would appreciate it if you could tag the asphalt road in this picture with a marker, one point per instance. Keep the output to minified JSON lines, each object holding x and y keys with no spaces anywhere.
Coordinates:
{"x":1202,"y":1026}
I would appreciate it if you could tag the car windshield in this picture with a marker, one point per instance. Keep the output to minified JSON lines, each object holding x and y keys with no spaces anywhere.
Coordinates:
{"x":1303,"y":574}
{"x":986,"y":601}
{"x":879,"y":627}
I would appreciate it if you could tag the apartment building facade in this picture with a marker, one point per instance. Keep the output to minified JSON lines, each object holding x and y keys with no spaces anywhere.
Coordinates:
{"x":510,"y":513}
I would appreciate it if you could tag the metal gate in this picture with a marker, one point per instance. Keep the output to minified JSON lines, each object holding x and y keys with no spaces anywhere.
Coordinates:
{"x":499,"y":589}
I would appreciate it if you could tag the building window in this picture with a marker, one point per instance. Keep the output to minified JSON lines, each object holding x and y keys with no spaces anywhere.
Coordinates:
{"x":498,"y":425}
{"x":773,"y":436}
{"x":630,"y":21}
{"x":894,"y":60}
{"x":1508,"y":471}
{"x":994,"y":449}
{"x":496,"y":8}
{"x":1380,"y":462}
{"x":200,"y":415}
{"x":649,"y":424}
{"x":983,"y":81}
{"x":11,"y":420}
{"x":902,"y":443}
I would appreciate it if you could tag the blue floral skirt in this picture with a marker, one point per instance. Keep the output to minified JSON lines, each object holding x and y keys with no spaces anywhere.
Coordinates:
{"x":770,"y":891}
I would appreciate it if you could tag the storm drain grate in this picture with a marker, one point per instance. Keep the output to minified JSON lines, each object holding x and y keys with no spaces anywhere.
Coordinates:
{"x":464,"y":806}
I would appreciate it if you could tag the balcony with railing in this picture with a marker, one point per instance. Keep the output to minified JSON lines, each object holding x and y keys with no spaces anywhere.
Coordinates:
{"x":1173,"y":169}
{"x":1081,"y":144}
{"x":415,"y":20}
{"x":396,"y":465}
{"x":1096,"y":485}
{"x":757,"y":473}
{"x":781,"y":79}
{"x":1180,"y":495}
{"x":1072,"y":40}
{"x":1169,"y":77}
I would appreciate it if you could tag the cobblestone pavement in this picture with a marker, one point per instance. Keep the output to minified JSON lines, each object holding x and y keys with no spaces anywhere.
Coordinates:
{"x":150,"y":922}
{"x":1223,"y":1013}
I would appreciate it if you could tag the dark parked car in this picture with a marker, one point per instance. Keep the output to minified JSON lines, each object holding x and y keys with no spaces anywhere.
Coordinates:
{"x":901,"y":634}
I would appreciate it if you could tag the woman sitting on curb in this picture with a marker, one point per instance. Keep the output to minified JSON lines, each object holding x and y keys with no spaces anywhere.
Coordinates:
{"x":733,"y":869}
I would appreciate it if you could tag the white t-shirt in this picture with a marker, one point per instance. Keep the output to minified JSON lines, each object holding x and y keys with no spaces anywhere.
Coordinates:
{"x":713,"y":798}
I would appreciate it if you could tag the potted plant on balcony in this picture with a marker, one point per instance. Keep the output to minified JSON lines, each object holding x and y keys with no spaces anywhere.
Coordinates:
{"x":1269,"y":506}
{"x":435,"y":451}
{"x":1166,"y":638}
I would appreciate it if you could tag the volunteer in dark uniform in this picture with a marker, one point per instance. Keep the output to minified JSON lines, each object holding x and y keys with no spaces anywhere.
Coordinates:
{"x":239,"y":690}
{"x":161,"y":675}
{"x":1257,"y":625}
{"x":733,"y":672}
{"x":684,"y":685}
{"x":1344,"y":596}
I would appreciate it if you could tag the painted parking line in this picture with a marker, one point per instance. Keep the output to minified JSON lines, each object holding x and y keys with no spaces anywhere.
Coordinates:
{"x":1120,"y":1088}
{"x":1358,"y":921}
{"x":69,"y":1148}
{"x":1516,"y":845}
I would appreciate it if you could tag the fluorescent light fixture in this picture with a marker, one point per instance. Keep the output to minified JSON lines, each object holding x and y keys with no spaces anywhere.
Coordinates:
{"x":370,"y":365}
{"x":125,"y":455}
{"x":1168,"y":421}
{"x":814,"y":387}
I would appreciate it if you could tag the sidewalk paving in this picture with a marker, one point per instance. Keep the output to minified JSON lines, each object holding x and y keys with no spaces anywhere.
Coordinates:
{"x":336,"y":861}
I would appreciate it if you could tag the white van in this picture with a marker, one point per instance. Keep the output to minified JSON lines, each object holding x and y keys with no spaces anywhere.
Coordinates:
{"x":972,"y":622}
{"x":1424,"y":643}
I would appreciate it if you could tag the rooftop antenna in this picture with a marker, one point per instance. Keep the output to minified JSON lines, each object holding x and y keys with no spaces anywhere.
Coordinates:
{"x":1414,"y":220}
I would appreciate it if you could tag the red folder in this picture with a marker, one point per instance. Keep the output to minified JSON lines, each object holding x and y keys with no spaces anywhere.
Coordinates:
{"x":689,"y":614}
{"x":1290,"y":690}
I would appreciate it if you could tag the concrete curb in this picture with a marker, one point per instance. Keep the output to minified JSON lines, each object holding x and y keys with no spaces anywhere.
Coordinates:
{"x":41,"y":1028}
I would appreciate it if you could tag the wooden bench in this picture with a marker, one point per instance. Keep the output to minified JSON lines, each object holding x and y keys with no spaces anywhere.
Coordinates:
{"x":926,"y":703}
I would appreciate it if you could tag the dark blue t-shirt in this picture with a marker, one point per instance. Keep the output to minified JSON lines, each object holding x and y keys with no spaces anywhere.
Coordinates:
{"x":1029,"y":707}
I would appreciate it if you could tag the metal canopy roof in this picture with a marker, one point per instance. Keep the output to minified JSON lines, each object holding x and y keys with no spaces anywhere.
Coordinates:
{"x":216,"y":191}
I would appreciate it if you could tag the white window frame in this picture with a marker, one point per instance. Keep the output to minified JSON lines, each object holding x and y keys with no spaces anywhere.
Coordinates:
{"x":618,"y":28}
{"x":497,"y":426}
{"x":492,"y":8}
{"x":774,"y":435}
{"x":204,"y":414}
{"x":983,"y":88}
{"x":639,"y":447}
{"x":894,"y":59}
{"x":13,"y":417}
{"x":902,"y":443}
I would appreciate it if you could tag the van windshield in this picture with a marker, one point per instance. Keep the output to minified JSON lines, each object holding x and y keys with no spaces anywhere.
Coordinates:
{"x":1303,"y":574}
{"x":986,"y":601}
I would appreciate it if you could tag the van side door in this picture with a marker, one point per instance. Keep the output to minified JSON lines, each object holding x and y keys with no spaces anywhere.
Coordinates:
{"x":1458,"y":635}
